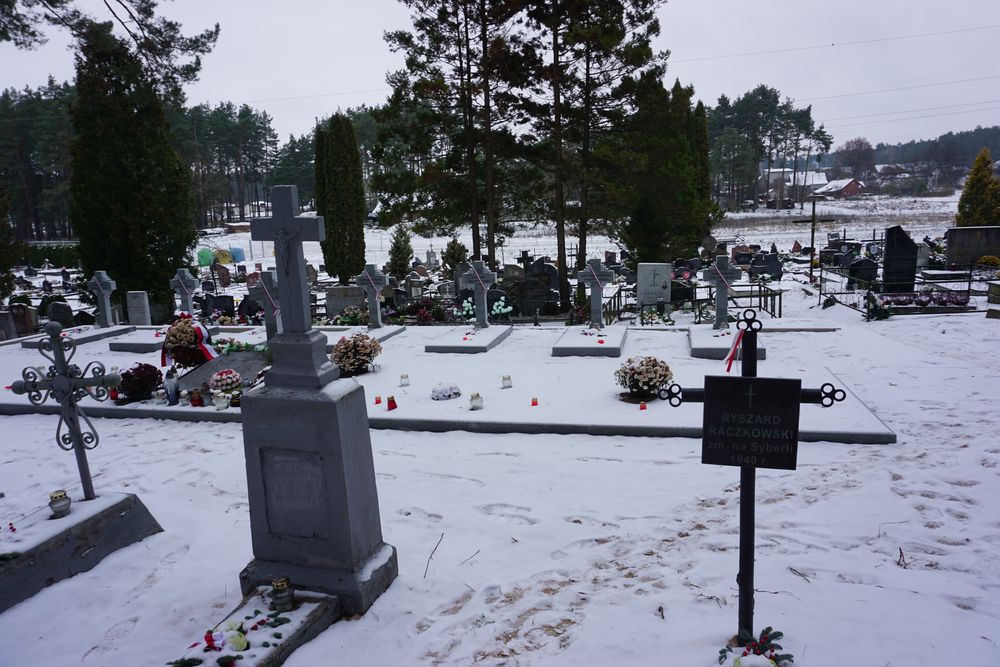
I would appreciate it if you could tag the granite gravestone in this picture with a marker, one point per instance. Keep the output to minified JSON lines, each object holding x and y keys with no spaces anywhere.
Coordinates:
{"x":61,"y":312}
{"x":899,"y":263}
{"x":137,"y":305}
{"x":223,"y":275}
{"x":341,"y":297}
{"x":372,"y":281}
{"x":7,"y":329}
{"x":480,"y":278}
{"x":314,"y":513}
{"x":265,"y":292}
{"x":184,"y":284}
{"x":862,"y":274}
{"x":25,"y":319}
{"x":247,"y":308}
{"x":653,"y":283}
{"x":102,"y":287}
{"x":721,"y":276}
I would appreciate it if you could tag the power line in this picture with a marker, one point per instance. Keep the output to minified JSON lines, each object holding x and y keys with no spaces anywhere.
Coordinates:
{"x":891,"y":113}
{"x":893,"y":90}
{"x":932,"y":115}
{"x":835,"y":44}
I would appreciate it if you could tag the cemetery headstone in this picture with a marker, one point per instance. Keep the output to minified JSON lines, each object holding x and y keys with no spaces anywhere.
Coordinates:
{"x":513,"y":273}
{"x":796,"y":247}
{"x":610,"y":257}
{"x":340,"y":297}
{"x":314,"y":513}
{"x":772,"y":261}
{"x":61,"y":312}
{"x":447,"y":288}
{"x":899,"y":265}
{"x":8,"y":331}
{"x":653,"y":283}
{"x":184,"y":284}
{"x":414,"y":286}
{"x":224,"y":303}
{"x":137,"y":304}
{"x":721,"y":276}
{"x":595,"y":276}
{"x":845,"y":259}
{"x":862,"y":274}
{"x":102,"y":287}
{"x":421,"y":271}
{"x":25,"y":318}
{"x":311,"y":275}
{"x":372,"y":281}
{"x":265,"y":292}
{"x":252,"y":279}
{"x":923,"y":256}
{"x":481,"y":278}
{"x":248,"y":307}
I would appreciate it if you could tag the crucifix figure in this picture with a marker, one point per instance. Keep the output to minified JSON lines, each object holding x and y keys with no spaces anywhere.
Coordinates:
{"x":67,"y":384}
{"x":299,"y":351}
{"x":265,"y":292}
{"x":596,"y":276}
{"x":373,"y":280}
{"x":102,"y":287}
{"x":721,"y":276}
{"x":480,"y":277}
{"x":184,"y":284}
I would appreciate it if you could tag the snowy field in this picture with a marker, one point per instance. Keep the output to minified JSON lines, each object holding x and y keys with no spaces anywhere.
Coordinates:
{"x":575,"y":550}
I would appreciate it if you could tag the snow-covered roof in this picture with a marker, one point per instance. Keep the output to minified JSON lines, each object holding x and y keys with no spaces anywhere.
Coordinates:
{"x":838,"y":185}
{"x":810,"y":178}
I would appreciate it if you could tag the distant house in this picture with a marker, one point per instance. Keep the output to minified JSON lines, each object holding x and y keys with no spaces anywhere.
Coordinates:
{"x":811,"y":180}
{"x":845,"y":187}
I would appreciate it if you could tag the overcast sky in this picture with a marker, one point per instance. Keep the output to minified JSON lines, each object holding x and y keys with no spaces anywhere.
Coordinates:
{"x":302,"y":59}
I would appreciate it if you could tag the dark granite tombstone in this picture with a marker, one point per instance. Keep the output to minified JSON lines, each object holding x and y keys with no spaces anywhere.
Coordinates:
{"x":680,"y":263}
{"x":536,"y":297}
{"x":862,"y":274}
{"x":61,"y":312}
{"x":84,"y":318}
{"x":899,"y":267}
{"x":610,"y":257}
{"x":774,"y":267}
{"x":7,"y":329}
{"x":754,"y":248}
{"x":242,"y":270}
{"x":207,"y":286}
{"x":845,"y":259}
{"x":743,"y":258}
{"x":695,"y":263}
{"x":513,"y":273}
{"x":25,"y":318}
{"x":543,"y":272}
{"x":248,"y":308}
{"x":247,"y":364}
{"x":30,"y":272}
{"x":224,"y":303}
{"x":493,"y":295}
{"x":827,"y":255}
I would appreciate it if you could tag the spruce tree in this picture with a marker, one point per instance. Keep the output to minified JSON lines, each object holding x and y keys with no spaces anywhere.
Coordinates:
{"x":980,"y":200}
{"x":319,"y":165}
{"x":400,"y":253}
{"x":130,"y":192}
{"x":8,"y":247}
{"x":341,"y":201}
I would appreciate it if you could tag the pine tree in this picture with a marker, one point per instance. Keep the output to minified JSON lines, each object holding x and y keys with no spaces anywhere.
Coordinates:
{"x":400,"y":252}
{"x":319,"y":166}
{"x":980,"y":200}
{"x":131,"y":201}
{"x":341,"y":201}
{"x":8,"y":247}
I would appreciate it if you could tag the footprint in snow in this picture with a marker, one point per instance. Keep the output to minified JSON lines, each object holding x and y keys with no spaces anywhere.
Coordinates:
{"x":509,"y":512}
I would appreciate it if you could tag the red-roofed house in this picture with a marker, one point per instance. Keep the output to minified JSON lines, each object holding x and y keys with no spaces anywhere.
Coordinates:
{"x":845,"y":187}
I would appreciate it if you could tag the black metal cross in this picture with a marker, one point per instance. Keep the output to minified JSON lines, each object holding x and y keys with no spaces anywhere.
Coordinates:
{"x":67,"y":384}
{"x":730,"y":442}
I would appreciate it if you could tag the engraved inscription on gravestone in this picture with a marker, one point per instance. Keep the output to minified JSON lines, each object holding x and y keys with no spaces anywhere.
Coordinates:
{"x":295,"y":493}
{"x":751,"y":421}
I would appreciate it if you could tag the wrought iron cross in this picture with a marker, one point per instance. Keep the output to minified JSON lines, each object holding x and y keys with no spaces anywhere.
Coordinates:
{"x":67,"y":384}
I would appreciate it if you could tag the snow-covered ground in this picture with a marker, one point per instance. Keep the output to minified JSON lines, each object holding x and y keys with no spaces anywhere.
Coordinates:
{"x":576,"y":550}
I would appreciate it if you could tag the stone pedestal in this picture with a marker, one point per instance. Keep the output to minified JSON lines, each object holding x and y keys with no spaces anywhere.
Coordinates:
{"x":137,"y":304}
{"x":314,"y":513}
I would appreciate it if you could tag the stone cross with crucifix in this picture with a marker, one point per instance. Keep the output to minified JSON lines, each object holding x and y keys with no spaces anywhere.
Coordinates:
{"x":299,"y":351}
{"x":67,"y":384}
{"x":596,"y":276}
{"x":373,"y":280}
{"x":480,"y":277}
{"x":102,"y":287}
{"x":265,"y":292}
{"x":721,"y":275}
{"x":184,"y":284}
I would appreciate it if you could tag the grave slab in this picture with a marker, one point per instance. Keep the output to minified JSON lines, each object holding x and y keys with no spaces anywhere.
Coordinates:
{"x":466,"y":340}
{"x":381,"y":334}
{"x":84,"y":335}
{"x":707,"y":344}
{"x":577,"y":342}
{"x":312,"y":614}
{"x":247,"y":364}
{"x":47,"y":551}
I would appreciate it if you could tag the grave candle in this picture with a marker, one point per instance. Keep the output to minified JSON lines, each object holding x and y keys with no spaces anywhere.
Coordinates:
{"x":534,"y":401}
{"x":196,"y":399}
{"x":505,"y":382}
{"x":475,"y":402}
{"x":642,"y":405}
{"x":391,"y":403}
{"x":378,"y":400}
{"x":404,"y":380}
{"x":59,"y":503}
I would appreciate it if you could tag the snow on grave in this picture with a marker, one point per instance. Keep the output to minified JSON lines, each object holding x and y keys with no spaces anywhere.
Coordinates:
{"x":248,"y":363}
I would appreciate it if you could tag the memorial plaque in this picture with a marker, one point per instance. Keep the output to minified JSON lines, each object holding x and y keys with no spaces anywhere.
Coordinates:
{"x":751,"y":421}
{"x":653,"y":283}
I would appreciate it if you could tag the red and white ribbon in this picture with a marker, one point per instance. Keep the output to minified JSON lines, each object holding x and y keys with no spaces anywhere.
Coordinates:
{"x":275,"y":309}
{"x":596,"y":279}
{"x":731,"y":357}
